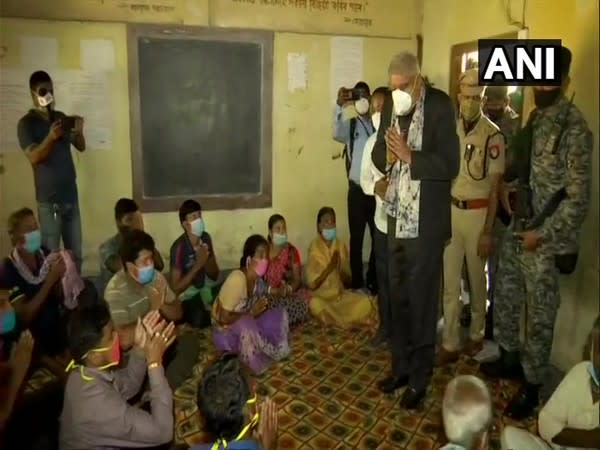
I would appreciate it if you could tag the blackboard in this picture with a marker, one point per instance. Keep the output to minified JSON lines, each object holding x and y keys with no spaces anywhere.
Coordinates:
{"x":200,"y":107}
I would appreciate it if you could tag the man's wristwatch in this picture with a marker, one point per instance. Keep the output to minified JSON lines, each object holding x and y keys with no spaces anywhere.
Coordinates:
{"x":153,"y":365}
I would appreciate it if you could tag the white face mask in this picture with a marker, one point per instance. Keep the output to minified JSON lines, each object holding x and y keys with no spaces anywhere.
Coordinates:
{"x":361,"y":106}
{"x":46,"y":99}
{"x":402,"y":102}
{"x":376,"y":119}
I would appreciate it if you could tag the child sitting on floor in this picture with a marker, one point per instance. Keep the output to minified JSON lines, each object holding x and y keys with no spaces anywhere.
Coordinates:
{"x":231,"y":411}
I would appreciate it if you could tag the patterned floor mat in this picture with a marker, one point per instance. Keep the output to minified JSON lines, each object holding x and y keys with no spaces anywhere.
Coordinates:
{"x":327,"y":397}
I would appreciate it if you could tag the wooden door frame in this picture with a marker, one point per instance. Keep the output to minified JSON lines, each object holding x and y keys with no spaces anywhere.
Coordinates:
{"x":456,"y":52}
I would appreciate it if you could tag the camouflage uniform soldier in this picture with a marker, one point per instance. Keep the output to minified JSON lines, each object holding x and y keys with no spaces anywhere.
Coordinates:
{"x":561,"y":152}
{"x":495,"y":106}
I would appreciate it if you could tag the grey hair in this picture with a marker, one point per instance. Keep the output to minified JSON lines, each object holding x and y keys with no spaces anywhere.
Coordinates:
{"x":466,"y":410}
{"x":404,"y":63}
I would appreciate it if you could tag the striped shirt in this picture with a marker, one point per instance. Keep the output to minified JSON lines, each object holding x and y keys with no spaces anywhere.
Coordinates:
{"x":128,"y":300}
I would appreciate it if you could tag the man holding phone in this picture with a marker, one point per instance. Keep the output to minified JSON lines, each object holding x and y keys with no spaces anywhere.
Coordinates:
{"x":354,"y":132}
{"x":46,"y":136}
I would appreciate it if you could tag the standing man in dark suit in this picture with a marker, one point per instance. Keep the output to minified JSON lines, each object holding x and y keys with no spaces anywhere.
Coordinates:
{"x":417,"y":147}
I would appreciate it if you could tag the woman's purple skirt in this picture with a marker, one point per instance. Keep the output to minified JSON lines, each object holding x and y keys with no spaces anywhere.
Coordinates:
{"x":256,"y":340}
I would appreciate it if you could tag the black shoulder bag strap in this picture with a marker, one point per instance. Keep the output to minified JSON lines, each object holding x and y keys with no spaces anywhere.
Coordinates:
{"x":565,"y":263}
{"x":525,"y":170}
{"x":349,"y":148}
{"x":561,"y":194}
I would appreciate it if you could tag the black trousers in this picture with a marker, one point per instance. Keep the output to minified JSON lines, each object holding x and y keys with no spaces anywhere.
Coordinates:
{"x":383,"y":281}
{"x":195,"y":313}
{"x":180,"y":359}
{"x":415,"y":269}
{"x":361,"y":212}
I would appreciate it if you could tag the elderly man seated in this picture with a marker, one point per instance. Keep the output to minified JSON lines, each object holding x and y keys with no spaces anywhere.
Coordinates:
{"x":467,"y":414}
{"x":570,"y":420}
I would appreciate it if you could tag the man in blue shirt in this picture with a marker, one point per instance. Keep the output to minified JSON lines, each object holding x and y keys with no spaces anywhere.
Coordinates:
{"x":354,"y":133}
{"x":46,"y":136}
{"x":192,"y":259}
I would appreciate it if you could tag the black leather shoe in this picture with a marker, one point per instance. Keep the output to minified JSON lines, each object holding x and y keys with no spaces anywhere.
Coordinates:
{"x":373,"y":289}
{"x":507,"y":366}
{"x":523,"y":404}
{"x":390,"y":383}
{"x":372,"y":283}
{"x":411,"y":399}
{"x":380,"y":339}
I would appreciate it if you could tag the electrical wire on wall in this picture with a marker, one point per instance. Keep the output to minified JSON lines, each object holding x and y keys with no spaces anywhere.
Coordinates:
{"x":508,"y":11}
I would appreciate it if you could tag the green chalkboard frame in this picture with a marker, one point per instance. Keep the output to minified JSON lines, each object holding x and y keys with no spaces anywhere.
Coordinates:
{"x":262,"y":199}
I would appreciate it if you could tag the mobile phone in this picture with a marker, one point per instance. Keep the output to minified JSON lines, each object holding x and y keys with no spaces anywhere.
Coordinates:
{"x":68,"y":123}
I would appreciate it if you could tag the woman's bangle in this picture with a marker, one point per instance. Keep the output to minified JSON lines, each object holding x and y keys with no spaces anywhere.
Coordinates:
{"x":269,"y":290}
{"x":153,"y":365}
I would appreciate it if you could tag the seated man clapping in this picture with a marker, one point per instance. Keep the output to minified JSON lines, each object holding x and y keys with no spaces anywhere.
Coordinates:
{"x":96,"y":413}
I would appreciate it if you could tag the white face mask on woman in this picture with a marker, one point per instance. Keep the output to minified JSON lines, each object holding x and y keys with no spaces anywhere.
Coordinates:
{"x":362,"y":106}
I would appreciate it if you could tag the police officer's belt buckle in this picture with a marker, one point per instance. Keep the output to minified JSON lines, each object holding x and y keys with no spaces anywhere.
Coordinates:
{"x":461,"y":204}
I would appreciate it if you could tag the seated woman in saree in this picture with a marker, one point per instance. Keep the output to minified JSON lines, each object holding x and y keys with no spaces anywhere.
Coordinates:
{"x":242,"y":324}
{"x":284,"y":274}
{"x":328,"y":275}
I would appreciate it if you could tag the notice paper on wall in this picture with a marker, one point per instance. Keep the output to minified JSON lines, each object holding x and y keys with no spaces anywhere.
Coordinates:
{"x":346,"y":63}
{"x":76,"y":92}
{"x":297,"y":72}
{"x":97,"y":55}
{"x":39,"y":53}
{"x":90,"y":98}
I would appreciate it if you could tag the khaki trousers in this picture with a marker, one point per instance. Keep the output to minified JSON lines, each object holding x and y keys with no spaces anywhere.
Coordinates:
{"x":467,"y":225}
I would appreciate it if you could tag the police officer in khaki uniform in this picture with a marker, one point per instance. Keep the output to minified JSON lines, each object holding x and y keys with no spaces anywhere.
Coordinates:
{"x":474,"y":206}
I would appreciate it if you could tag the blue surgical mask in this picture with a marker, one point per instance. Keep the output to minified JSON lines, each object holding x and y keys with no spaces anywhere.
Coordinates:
{"x":197,"y":226}
{"x":33,"y":241}
{"x":329,"y":234}
{"x":279,"y":239}
{"x":8,"y":321}
{"x":145,"y":274}
{"x":594,"y":374}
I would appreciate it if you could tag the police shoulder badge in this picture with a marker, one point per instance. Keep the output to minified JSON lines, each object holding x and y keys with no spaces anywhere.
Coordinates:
{"x":494,"y":151}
